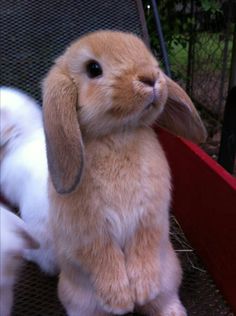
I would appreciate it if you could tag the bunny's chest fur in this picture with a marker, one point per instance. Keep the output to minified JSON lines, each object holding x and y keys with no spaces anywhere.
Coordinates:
{"x":125,"y":180}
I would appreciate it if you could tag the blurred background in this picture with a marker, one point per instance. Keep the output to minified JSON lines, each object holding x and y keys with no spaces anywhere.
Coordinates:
{"x":199,"y":40}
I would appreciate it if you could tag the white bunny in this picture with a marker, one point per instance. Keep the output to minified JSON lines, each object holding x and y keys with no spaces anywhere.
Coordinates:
{"x":24,"y":170}
{"x":14,"y":239}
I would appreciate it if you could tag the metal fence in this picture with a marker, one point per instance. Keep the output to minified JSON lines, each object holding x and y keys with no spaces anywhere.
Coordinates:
{"x":199,"y":37}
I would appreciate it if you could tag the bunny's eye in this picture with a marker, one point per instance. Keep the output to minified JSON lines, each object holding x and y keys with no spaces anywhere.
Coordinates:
{"x":93,"y":69}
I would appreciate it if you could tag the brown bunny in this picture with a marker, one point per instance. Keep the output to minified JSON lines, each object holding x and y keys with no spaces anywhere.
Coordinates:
{"x":112,"y":230}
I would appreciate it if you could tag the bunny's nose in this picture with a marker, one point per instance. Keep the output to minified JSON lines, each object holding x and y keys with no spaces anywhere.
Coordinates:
{"x":147,"y":81}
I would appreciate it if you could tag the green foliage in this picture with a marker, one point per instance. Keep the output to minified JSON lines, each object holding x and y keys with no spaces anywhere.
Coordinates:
{"x":178,"y":23}
{"x":182,"y":21}
{"x":212,"y":6}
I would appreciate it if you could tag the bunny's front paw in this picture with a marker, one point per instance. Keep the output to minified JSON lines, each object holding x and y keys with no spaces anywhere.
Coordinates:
{"x":114,"y":294}
{"x":144,"y":281}
{"x":175,"y":308}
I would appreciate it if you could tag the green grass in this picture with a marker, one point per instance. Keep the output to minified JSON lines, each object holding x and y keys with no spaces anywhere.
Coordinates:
{"x":178,"y":54}
{"x":208,"y":53}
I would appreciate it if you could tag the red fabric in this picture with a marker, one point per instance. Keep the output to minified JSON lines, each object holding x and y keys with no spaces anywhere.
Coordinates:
{"x":204,"y":202}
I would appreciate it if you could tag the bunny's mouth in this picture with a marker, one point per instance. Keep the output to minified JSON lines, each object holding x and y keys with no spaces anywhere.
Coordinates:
{"x":151,"y":103}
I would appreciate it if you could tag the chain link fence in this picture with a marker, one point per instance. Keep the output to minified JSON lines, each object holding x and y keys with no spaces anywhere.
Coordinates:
{"x":199,"y":37}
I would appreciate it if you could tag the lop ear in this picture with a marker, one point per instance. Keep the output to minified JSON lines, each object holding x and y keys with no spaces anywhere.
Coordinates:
{"x":63,"y":136}
{"x":180,"y":116}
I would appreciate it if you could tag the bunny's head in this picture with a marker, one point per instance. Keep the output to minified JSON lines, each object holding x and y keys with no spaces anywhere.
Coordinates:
{"x":104,"y":83}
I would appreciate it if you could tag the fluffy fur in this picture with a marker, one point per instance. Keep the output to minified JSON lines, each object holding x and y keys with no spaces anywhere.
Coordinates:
{"x":24,"y":170}
{"x":112,"y":230}
{"x":15,"y":238}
